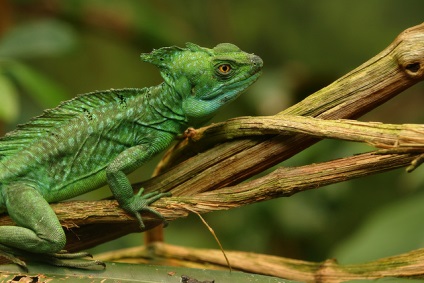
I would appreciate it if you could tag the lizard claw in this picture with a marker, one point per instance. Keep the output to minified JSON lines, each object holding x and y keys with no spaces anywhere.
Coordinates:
{"x":141,"y":203}
{"x":66,"y":255}
{"x":72,"y":260}
{"x":10,"y":257}
{"x":62,"y":258}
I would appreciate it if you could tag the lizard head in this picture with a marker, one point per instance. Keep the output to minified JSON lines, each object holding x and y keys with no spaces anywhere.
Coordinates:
{"x":205,"y":79}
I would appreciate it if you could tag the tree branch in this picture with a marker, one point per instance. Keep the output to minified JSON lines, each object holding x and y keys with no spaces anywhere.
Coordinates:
{"x":374,"y":133}
{"x":404,"y":265}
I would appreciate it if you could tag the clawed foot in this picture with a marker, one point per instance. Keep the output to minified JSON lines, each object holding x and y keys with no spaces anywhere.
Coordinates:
{"x":10,"y":257}
{"x":62,"y":259}
{"x":72,"y":260}
{"x":141,"y":203}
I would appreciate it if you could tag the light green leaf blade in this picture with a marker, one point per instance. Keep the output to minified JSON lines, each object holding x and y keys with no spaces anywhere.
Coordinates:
{"x":123,"y":272}
{"x":9,"y":106}
{"x":36,"y":39}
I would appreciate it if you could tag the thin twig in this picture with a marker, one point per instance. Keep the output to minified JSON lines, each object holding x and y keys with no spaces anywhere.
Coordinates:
{"x":214,"y":235}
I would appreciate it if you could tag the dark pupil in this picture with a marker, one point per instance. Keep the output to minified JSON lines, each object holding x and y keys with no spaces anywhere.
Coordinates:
{"x":225,"y":68}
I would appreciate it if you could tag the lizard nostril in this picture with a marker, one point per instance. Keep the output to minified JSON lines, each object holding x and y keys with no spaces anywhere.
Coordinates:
{"x":256,"y":61}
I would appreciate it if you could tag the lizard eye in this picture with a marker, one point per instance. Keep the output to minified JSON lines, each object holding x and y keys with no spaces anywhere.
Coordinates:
{"x":224,"y":69}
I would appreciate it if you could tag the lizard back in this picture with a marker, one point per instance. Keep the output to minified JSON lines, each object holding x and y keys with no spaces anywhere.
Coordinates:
{"x":44,"y":125}
{"x":64,"y":152}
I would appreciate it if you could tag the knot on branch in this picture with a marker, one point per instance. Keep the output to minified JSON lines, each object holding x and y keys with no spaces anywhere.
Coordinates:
{"x":409,"y":52}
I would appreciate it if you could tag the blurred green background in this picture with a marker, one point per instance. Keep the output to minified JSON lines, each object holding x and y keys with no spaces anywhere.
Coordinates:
{"x":52,"y":50}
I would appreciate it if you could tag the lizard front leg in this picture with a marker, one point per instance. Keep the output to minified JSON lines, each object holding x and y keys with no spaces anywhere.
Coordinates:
{"x":124,"y":163}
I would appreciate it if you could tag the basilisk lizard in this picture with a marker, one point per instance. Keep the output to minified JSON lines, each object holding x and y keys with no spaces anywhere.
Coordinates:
{"x":97,"y":138}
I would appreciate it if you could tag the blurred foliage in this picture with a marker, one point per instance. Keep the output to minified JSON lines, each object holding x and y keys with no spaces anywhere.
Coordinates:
{"x":38,"y":39}
{"x":51,"y":50}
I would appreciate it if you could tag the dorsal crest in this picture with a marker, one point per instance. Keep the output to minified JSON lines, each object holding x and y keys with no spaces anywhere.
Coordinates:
{"x":52,"y":119}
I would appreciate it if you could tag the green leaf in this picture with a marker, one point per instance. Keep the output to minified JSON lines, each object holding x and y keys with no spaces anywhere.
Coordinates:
{"x":40,"y":38}
{"x":9,"y":107}
{"x":124,"y":272}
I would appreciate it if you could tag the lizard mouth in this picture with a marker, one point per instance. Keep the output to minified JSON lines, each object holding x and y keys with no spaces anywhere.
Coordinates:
{"x":232,"y":90}
{"x":245,"y":82}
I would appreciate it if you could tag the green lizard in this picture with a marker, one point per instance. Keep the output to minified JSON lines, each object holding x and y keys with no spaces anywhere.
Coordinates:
{"x":99,"y":137}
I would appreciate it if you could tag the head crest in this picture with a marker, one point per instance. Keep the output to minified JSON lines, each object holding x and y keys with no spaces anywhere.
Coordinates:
{"x":226,"y":48}
{"x":196,"y":48}
{"x":162,"y":56}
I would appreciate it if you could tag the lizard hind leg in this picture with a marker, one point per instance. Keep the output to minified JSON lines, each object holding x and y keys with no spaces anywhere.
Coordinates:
{"x":38,"y":235}
{"x":38,"y":230}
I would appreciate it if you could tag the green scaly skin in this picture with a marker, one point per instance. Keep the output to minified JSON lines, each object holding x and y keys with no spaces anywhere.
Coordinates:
{"x":99,"y":137}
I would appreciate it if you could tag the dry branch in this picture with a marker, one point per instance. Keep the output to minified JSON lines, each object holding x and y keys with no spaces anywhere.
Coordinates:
{"x":374,"y":133}
{"x":409,"y":264}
